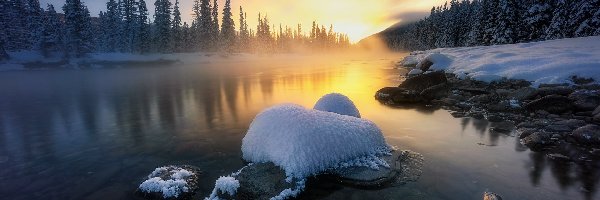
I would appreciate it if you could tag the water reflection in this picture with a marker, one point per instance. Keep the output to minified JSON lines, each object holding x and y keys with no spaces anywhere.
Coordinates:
{"x":94,"y":134}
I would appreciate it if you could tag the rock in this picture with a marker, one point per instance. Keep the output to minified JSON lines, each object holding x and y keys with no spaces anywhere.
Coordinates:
{"x":538,"y":140}
{"x":436,"y":92}
{"x":403,"y":164}
{"x":150,"y":188}
{"x":262,"y":181}
{"x":558,"y":90}
{"x":424,"y":81}
{"x":523,"y":93}
{"x":473,"y":90}
{"x":558,"y":128}
{"x":398,"y":95}
{"x":499,"y":107}
{"x":587,"y":135}
{"x":491,"y":196}
{"x":415,"y":72}
{"x":571,"y":123}
{"x":581,"y":80}
{"x":524,"y":132}
{"x":596,"y":117}
{"x":502,"y":127}
{"x":425,"y":65}
{"x":553,"y":104}
{"x":446,"y":102}
{"x":494,"y":118}
{"x":585,"y":100}
{"x":484,"y":98}
{"x":596,"y":111}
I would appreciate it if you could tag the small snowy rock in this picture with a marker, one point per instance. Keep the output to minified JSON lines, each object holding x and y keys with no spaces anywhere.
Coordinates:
{"x":225,"y":185}
{"x":170,"y":182}
{"x":337,"y":103}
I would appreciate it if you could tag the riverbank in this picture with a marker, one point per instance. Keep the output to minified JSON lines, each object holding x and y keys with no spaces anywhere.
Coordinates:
{"x":548,"y":112}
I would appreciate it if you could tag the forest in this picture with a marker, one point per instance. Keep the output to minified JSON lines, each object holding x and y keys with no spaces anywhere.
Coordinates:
{"x":494,"y":22}
{"x":125,"y":26}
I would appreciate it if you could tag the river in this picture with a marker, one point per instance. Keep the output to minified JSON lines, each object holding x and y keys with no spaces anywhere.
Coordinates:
{"x":95,"y":134}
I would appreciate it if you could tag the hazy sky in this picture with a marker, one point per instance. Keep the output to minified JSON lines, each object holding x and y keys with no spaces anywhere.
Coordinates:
{"x":357,"y":18}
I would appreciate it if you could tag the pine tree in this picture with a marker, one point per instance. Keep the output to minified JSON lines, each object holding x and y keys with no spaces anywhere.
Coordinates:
{"x":176,"y":29}
{"x":214,"y":29}
{"x":538,"y":18}
{"x":559,"y":27}
{"x":506,"y":31}
{"x":4,"y":17}
{"x":34,"y":22}
{"x":128,"y":27}
{"x":17,"y":30}
{"x":51,"y":39}
{"x":243,"y":40}
{"x":228,"y":27}
{"x":142,"y":43}
{"x":205,"y":25}
{"x":162,"y":23}
{"x":582,"y":22}
{"x":111,"y":22}
{"x":77,"y":28}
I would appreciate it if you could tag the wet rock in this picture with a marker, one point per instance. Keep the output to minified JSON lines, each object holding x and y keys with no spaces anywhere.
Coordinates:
{"x":596,"y":115}
{"x":499,"y":107}
{"x":491,"y":196}
{"x":571,"y":123}
{"x":403,"y":164}
{"x":446,"y":102}
{"x":581,"y":80}
{"x":502,"y":127}
{"x":524,"y":132}
{"x":424,"y":81}
{"x":523,"y":93}
{"x":553,"y":104}
{"x":436,"y":92}
{"x":558,"y":128}
{"x":494,"y":118}
{"x":585,"y":100}
{"x":473,"y":90}
{"x":262,"y":181}
{"x":587,"y":135}
{"x":538,"y":140}
{"x":559,"y":90}
{"x":398,"y":95}
{"x":152,"y":187}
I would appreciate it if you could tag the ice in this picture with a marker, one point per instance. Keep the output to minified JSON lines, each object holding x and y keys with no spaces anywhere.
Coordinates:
{"x":415,"y":72}
{"x":305,"y":142}
{"x":226,"y":185}
{"x":291,"y":192}
{"x":546,"y":62}
{"x":169,"y":188}
{"x":337,"y":103}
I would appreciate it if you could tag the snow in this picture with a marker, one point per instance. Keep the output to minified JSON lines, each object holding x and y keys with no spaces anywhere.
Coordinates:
{"x":306,"y":142}
{"x":172,"y":187}
{"x":291,"y":192}
{"x":337,"y":103}
{"x":226,"y":185}
{"x":547,"y":62}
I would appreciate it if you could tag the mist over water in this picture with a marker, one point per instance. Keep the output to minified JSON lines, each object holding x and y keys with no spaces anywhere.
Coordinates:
{"x":96,"y":134}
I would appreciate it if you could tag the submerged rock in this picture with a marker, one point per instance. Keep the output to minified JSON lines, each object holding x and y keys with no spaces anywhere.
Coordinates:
{"x":404,"y":166}
{"x":538,"y":140}
{"x":587,"y":135}
{"x":262,"y":181}
{"x":170,"y":182}
{"x":424,"y":81}
{"x":436,"y":92}
{"x":553,"y":104}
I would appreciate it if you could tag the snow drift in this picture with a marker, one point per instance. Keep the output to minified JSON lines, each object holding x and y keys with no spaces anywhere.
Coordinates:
{"x":306,"y":142}
{"x":337,"y":103}
{"x":546,"y":62}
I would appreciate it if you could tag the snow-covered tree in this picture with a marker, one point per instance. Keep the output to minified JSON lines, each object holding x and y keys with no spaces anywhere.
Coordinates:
{"x":177,"y":32}
{"x":16,"y":32}
{"x":34,"y":24}
{"x":214,"y":29}
{"x":585,"y":20}
{"x":4,"y":18}
{"x":559,"y":27}
{"x":228,"y":27}
{"x":162,"y":24}
{"x":51,"y":39}
{"x":506,"y":30}
{"x":129,"y":25}
{"x":204,"y":26}
{"x":538,"y":17}
{"x":244,"y":35}
{"x":77,"y":28}
{"x":142,"y":43}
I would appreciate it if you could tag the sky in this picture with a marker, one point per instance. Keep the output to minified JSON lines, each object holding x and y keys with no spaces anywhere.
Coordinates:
{"x":357,"y":18}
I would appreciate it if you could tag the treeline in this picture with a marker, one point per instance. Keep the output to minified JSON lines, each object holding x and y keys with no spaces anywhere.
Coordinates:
{"x":125,"y":26}
{"x":492,"y":22}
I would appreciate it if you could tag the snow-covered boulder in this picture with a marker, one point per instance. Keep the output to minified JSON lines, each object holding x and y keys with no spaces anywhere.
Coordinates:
{"x":337,"y":103}
{"x":224,"y":186}
{"x":170,"y":182}
{"x":306,"y":142}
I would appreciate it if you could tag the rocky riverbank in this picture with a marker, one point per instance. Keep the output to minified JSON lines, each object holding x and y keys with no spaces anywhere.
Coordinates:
{"x":562,"y":119}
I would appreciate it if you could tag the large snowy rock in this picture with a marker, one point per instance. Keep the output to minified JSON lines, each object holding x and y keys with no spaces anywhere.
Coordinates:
{"x":307,"y":142}
{"x":337,"y":103}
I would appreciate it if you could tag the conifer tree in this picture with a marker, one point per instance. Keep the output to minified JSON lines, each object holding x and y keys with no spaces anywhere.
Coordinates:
{"x":162,"y":24}
{"x":205,"y":25}
{"x":51,"y":39}
{"x":228,"y":27}
{"x":128,"y":28}
{"x":4,"y":17}
{"x":176,"y":29}
{"x":142,"y":43}
{"x":34,"y":24}
{"x":77,"y":28}
{"x":214,"y":29}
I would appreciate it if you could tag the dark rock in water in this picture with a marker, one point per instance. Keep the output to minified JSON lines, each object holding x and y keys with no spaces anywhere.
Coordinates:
{"x":170,"y":173}
{"x":398,"y":95}
{"x":436,"y":92}
{"x":425,"y":65}
{"x":523,"y":93}
{"x":581,"y":80}
{"x":571,"y":123}
{"x":405,"y":166}
{"x":585,"y":100}
{"x":262,"y":181}
{"x":502,"y":127}
{"x":553,"y":103}
{"x":491,"y":196}
{"x":596,"y":114}
{"x":424,"y":81}
{"x":587,"y":135}
{"x":553,"y":85}
{"x":524,"y":132}
{"x":559,"y":90}
{"x":558,"y":128}
{"x":538,"y":140}
{"x":475,"y":91}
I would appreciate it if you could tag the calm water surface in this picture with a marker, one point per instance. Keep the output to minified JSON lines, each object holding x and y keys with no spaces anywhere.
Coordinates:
{"x":96,"y":134}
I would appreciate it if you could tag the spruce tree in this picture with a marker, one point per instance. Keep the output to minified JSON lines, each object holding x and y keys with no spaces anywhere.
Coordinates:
{"x":205,"y":25}
{"x":128,"y":26}
{"x":176,"y":29}
{"x":559,"y":27}
{"x":34,"y":24}
{"x":538,"y":18}
{"x":214,"y":29}
{"x":17,"y":33}
{"x":4,"y":17}
{"x":228,"y":27}
{"x":162,"y":23}
{"x":583,"y":21}
{"x":51,"y":39}
{"x":142,"y":43}
{"x":506,"y":30}
{"x":243,"y":40}
{"x":77,"y":28}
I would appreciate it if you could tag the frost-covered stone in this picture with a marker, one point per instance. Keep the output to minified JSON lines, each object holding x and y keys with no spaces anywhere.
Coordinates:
{"x":170,"y":182}
{"x":306,"y":142}
{"x":225,"y":185}
{"x":337,"y":103}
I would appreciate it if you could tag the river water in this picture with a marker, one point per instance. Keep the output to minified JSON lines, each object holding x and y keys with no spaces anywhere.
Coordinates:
{"x":95,"y":134}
